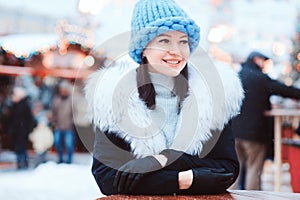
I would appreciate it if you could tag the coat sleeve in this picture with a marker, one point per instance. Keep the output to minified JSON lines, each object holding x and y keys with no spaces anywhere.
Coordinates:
{"x":278,"y":88}
{"x":110,"y":153}
{"x":223,"y":155}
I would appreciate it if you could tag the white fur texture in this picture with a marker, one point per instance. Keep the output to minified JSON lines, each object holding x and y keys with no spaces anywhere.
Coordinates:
{"x":114,"y":106}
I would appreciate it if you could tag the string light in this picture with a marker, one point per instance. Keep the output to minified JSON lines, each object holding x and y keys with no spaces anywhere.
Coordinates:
{"x":74,"y":33}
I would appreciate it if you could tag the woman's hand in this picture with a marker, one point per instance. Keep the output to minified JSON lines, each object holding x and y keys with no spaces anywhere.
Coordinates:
{"x":185,"y":179}
{"x":131,"y":172}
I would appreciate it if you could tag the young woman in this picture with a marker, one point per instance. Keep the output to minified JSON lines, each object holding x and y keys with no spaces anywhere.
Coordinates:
{"x":158,"y":129}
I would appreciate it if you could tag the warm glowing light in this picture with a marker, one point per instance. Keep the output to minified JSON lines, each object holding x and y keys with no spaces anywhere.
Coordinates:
{"x":288,"y":81}
{"x":298,"y":56}
{"x":298,"y":67}
{"x":74,"y":33}
{"x":220,"y":54}
{"x":89,"y":61}
{"x":215,"y":36}
{"x":287,"y":69}
{"x":279,"y":49}
{"x":216,"y":2}
{"x":219,"y":33}
{"x":71,"y":59}
{"x":91,"y":6}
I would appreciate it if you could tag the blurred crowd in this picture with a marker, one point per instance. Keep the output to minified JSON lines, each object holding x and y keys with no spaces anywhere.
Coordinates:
{"x":42,"y":114}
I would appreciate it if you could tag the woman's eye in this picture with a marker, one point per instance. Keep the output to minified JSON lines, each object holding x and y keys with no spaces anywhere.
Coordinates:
{"x":164,"y":41}
{"x":183,"y":42}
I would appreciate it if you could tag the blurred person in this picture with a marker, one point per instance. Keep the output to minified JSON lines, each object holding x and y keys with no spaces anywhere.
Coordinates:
{"x":251,"y":125}
{"x":21,"y":124}
{"x":41,"y":136}
{"x":83,"y":127}
{"x":46,"y":91}
{"x":5,"y":105}
{"x":62,"y":122}
{"x":2,"y":55}
{"x":163,"y":137}
{"x":4,"y":119}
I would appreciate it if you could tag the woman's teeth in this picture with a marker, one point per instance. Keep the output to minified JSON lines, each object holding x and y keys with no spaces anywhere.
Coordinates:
{"x":172,"y":61}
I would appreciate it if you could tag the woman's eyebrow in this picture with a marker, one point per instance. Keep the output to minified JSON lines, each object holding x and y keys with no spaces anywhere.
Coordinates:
{"x":166,"y":35}
{"x":163,"y":34}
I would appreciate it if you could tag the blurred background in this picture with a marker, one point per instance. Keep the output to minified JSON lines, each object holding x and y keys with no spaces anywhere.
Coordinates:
{"x":230,"y":29}
{"x":45,"y":42}
{"x":33,"y":31}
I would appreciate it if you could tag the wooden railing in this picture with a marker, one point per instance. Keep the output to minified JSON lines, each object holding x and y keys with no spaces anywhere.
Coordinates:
{"x":57,"y":72}
{"x":231,"y":194}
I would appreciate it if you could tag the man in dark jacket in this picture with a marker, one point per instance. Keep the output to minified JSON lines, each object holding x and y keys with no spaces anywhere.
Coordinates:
{"x":250,"y":127}
{"x":21,"y":124}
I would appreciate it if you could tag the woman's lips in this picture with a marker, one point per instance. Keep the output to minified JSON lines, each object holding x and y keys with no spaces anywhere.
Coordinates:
{"x":172,"y":63}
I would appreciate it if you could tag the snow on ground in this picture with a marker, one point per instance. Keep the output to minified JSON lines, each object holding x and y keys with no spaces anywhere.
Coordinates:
{"x":50,"y":181}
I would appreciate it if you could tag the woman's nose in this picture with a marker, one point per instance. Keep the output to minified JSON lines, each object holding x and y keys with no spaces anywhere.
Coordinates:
{"x":174,"y":50}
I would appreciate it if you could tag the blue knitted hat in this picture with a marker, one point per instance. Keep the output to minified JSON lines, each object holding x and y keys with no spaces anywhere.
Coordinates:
{"x":153,"y":17}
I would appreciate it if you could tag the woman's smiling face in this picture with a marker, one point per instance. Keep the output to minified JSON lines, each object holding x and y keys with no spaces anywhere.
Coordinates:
{"x":168,"y":53}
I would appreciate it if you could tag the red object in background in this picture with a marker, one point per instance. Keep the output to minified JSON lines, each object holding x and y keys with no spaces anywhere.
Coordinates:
{"x":287,"y":132}
{"x":294,"y":162}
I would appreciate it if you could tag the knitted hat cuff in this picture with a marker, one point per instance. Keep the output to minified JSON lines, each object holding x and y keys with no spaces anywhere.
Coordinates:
{"x":140,"y":38}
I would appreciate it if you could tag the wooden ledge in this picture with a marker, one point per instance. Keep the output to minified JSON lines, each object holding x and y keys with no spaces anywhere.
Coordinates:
{"x":231,"y":194}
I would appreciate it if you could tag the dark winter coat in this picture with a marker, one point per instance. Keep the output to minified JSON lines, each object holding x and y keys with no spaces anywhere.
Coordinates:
{"x":122,"y":120}
{"x":21,"y":124}
{"x":251,"y":124}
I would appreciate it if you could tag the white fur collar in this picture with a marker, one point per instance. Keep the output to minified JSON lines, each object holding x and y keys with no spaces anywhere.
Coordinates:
{"x":114,"y":106}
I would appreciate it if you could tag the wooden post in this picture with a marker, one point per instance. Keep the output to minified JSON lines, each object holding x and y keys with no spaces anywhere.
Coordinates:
{"x":277,"y":153}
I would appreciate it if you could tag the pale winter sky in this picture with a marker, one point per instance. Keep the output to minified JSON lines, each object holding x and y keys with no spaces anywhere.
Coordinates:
{"x":256,"y":23}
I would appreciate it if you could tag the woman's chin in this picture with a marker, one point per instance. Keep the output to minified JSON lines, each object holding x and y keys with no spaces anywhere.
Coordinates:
{"x":173,"y":73}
